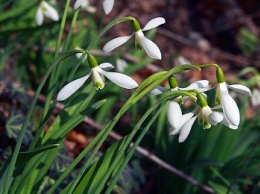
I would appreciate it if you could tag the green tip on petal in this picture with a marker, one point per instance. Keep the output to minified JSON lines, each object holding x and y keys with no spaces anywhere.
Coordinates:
{"x":172,"y":82}
{"x":201,"y":100}
{"x":136,"y":25}
{"x":91,"y":60}
{"x":99,"y":85}
{"x":220,"y":75}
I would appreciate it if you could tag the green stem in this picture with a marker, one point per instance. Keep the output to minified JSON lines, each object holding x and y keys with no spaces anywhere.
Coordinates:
{"x":131,"y":152}
{"x":73,"y":23}
{"x":102,"y":137}
{"x":208,"y":65}
{"x":8,"y":180}
{"x":125,"y":146}
{"x":53,"y":74}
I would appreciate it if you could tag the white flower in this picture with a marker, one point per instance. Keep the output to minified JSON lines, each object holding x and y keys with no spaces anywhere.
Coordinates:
{"x":121,"y":65}
{"x":182,"y":124}
{"x":182,"y":60}
{"x":201,"y":85}
{"x":228,"y":104}
{"x":98,"y":79}
{"x":48,"y":11}
{"x":255,"y":98}
{"x":140,"y":40}
{"x":108,"y":5}
{"x":78,"y":55}
{"x":85,"y":4}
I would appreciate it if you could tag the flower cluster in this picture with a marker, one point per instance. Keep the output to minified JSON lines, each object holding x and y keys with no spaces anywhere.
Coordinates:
{"x":226,"y":110}
{"x":47,"y":10}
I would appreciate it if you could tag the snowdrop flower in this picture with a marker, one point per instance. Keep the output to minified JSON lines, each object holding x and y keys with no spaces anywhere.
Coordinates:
{"x":98,"y":77}
{"x":85,"y":4}
{"x":182,"y":60}
{"x":78,"y":55}
{"x":228,"y":104}
{"x":255,"y":98}
{"x":108,"y":5}
{"x":48,"y":11}
{"x":121,"y":65}
{"x":201,"y":85}
{"x":182,"y":124}
{"x":140,"y":40}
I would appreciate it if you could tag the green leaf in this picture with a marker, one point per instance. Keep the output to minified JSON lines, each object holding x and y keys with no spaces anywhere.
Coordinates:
{"x":13,"y":127}
{"x":94,"y":175}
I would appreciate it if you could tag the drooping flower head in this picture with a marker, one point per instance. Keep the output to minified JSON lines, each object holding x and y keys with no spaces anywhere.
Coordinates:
{"x":45,"y":10}
{"x":141,"y":41}
{"x":228,"y":104}
{"x":182,"y":124}
{"x":107,"y":5}
{"x":98,"y":78}
{"x":85,"y":4}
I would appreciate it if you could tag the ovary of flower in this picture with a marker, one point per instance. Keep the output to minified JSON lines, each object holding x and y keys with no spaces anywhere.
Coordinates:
{"x":150,"y":47}
{"x":48,"y":11}
{"x":98,"y":74}
{"x":228,"y":104}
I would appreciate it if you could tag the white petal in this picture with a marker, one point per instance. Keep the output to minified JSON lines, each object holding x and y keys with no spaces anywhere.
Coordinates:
{"x":230,"y":109}
{"x":98,"y":78}
{"x":175,"y":131}
{"x":241,"y":89}
{"x":174,"y":115}
{"x":197,"y":85}
{"x":215,"y":118}
{"x":112,"y":44}
{"x":39,"y":16}
{"x":228,"y":124}
{"x":154,"y":23}
{"x":255,"y":98}
{"x":108,"y":5}
{"x":185,"y":130}
{"x":120,"y":79}
{"x":186,"y":117}
{"x":106,"y":66}
{"x":121,"y":65}
{"x":79,"y":3}
{"x":50,"y":12}
{"x":149,"y":46}
{"x":71,"y":88}
{"x":157,"y":90}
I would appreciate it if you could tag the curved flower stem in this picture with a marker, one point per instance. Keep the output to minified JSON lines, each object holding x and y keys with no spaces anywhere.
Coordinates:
{"x":54,"y":72}
{"x":8,"y":180}
{"x":208,"y":65}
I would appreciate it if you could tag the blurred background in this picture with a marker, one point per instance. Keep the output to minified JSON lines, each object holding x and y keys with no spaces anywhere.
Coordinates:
{"x":226,"y":32}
